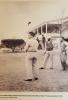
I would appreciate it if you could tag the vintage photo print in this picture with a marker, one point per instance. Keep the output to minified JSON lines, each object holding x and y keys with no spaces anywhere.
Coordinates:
{"x":34,"y":45}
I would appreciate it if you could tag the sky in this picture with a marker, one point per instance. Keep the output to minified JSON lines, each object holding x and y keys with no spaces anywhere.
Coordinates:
{"x":15,"y":15}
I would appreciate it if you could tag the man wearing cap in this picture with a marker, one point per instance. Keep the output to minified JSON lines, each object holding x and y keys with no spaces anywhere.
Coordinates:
{"x":48,"y":54}
{"x":31,"y":58}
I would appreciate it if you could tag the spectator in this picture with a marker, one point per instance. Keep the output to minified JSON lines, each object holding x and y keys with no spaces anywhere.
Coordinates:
{"x":63,"y":55}
{"x":39,"y":44}
{"x":43,"y":41}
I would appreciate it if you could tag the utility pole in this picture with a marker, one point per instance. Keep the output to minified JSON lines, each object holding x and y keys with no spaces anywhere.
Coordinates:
{"x":61,"y":21}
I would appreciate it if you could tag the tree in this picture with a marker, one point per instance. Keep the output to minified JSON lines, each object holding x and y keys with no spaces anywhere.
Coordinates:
{"x":12,"y":43}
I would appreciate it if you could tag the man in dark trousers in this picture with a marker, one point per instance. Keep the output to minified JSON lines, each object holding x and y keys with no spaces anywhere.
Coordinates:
{"x":43,"y":41}
{"x":39,"y":45}
{"x":63,"y":55}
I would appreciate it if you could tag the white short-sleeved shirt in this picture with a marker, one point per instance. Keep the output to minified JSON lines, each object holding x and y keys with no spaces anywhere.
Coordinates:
{"x":31,"y":45}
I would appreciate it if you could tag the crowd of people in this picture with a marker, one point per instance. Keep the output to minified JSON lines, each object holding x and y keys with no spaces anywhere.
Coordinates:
{"x":31,"y":52}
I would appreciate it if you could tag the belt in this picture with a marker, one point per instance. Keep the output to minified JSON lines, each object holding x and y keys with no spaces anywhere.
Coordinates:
{"x":49,"y":50}
{"x":31,"y":51}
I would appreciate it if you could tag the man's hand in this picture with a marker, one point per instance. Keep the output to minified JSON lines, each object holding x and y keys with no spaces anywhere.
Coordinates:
{"x":44,"y":52}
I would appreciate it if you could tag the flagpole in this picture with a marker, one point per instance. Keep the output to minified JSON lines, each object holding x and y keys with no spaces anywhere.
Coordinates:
{"x":28,"y":25}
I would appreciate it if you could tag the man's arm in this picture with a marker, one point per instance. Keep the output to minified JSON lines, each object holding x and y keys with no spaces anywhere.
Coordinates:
{"x":26,"y":47}
{"x":45,"y":49}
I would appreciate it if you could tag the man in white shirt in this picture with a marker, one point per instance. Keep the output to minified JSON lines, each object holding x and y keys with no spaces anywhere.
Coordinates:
{"x":31,"y":58}
{"x":48,"y":54}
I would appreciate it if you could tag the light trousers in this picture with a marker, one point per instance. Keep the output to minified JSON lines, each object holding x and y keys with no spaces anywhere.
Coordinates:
{"x":48,"y":56}
{"x":31,"y":65}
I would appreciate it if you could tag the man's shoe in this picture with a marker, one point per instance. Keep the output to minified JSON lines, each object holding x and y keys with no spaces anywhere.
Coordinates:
{"x":64,"y":69}
{"x":28,"y":80}
{"x":41,"y":68}
{"x":36,"y":78}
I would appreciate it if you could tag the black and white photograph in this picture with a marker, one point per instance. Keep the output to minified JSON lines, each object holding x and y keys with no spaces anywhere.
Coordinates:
{"x":34,"y":45}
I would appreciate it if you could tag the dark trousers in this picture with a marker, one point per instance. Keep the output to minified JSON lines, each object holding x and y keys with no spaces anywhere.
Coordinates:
{"x":64,"y":65}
